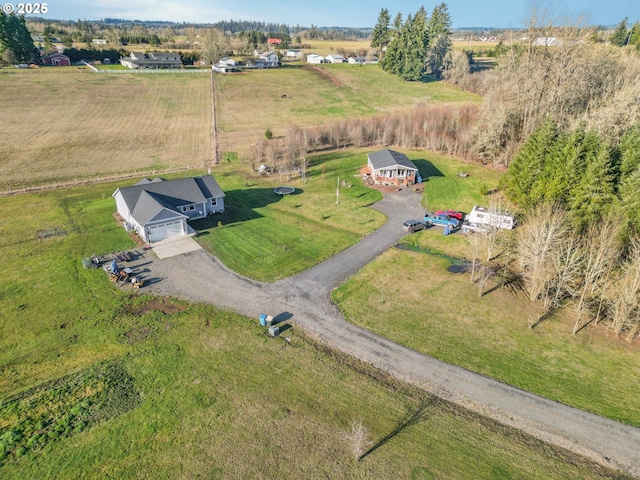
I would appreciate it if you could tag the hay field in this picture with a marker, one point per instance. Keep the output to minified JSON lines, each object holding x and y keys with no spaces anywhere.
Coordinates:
{"x":71,"y":123}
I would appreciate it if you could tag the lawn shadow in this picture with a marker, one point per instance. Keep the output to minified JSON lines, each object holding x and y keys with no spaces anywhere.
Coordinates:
{"x":240,"y":206}
{"x":427,"y":169}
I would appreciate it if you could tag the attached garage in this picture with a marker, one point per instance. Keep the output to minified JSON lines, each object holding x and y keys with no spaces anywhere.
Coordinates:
{"x":159,"y":209}
{"x":161,"y":231}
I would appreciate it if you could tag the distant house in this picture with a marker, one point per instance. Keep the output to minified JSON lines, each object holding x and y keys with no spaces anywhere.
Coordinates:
{"x":334,"y":58}
{"x":224,"y":68}
{"x":99,"y":41}
{"x":314,"y":58}
{"x":56,"y":60}
{"x":152,"y":60}
{"x":294,"y":54}
{"x":388,"y":167}
{"x":547,"y":42}
{"x":158,"y":209}
{"x":227,"y":61}
{"x":357,"y":60}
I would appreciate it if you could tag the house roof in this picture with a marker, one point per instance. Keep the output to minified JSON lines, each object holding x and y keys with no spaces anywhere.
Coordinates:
{"x":159,"y":199}
{"x":389,"y":158}
{"x":55,"y":55}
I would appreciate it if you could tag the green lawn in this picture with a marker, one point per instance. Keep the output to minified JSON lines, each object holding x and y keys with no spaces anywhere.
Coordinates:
{"x":96,"y":383}
{"x":266,"y":237}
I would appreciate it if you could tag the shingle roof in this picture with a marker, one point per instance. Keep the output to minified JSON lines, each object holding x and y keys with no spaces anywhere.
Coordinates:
{"x":389,"y":158}
{"x":149,"y":198}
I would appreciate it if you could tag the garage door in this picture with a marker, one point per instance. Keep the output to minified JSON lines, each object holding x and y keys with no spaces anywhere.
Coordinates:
{"x":165,"y":230}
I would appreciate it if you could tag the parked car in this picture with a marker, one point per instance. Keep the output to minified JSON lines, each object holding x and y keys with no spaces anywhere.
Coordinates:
{"x":413,"y":226}
{"x":441,"y":220}
{"x":451,"y":214}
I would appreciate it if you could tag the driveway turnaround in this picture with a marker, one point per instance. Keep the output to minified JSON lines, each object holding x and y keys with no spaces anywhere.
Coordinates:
{"x":305,"y":300}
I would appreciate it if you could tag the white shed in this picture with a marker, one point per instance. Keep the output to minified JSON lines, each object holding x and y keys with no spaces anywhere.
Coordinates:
{"x":334,"y":58}
{"x":314,"y":58}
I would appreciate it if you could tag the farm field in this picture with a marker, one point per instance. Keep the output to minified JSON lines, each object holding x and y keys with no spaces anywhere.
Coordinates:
{"x":99,"y":383}
{"x":80,"y":124}
{"x":86,"y":125}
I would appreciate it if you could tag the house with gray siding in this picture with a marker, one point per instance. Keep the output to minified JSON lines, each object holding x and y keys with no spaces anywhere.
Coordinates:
{"x":158,"y":209}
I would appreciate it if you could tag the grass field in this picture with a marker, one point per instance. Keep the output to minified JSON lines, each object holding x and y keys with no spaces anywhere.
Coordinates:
{"x":267,"y":237}
{"x":96,"y":383}
{"x":64,"y":124}
{"x":85,"y":125}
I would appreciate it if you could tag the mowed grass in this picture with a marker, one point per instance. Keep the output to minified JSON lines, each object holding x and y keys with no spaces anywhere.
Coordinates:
{"x":443,"y":315}
{"x":387,"y":93}
{"x":72,"y":123}
{"x":210,"y":395}
{"x":266,"y":236}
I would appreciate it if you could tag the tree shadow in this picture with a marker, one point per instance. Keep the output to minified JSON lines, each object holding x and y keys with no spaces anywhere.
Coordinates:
{"x":412,"y":417}
{"x":427,"y":169}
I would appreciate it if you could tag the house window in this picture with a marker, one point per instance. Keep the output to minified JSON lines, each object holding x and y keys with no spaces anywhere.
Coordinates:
{"x":401,"y":172}
{"x":192,"y":207}
{"x":214,"y":202}
{"x":183,"y":209}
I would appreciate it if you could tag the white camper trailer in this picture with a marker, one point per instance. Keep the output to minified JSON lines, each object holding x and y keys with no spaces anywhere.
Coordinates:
{"x":483,"y":217}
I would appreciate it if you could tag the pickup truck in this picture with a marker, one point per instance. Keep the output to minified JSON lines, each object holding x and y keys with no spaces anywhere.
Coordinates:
{"x":441,"y":220}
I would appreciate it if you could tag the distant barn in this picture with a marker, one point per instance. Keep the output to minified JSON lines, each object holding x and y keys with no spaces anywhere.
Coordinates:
{"x":56,"y":60}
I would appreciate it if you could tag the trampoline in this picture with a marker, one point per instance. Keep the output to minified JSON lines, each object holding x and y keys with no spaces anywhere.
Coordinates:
{"x":284,"y":190}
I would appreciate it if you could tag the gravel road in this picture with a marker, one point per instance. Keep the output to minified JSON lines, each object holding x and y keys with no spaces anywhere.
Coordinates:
{"x":305,"y":300}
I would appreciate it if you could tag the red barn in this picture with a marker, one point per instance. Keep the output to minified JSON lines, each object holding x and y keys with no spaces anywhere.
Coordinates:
{"x":56,"y":60}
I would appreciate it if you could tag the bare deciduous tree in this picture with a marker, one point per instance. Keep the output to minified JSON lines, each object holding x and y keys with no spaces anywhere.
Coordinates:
{"x":357,"y":438}
{"x":601,"y":251}
{"x":623,"y":298}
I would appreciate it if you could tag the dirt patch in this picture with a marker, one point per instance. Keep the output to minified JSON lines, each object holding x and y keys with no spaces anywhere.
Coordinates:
{"x":163,"y":305}
{"x":137,"y":334}
{"x":323,"y":74}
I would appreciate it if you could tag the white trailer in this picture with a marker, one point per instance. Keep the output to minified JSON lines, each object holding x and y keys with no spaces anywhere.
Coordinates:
{"x":484,"y":217}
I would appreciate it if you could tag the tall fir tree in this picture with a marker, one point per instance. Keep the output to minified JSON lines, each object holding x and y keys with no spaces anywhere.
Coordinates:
{"x":16,"y":44}
{"x":629,"y":194}
{"x":594,"y":195}
{"x":393,"y":58}
{"x":620,"y":35}
{"x":381,"y":34}
{"x":415,"y":46}
{"x":527,"y":168}
{"x":439,"y":34}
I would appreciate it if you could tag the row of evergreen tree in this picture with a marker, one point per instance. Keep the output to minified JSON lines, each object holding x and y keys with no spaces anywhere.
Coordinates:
{"x":579,"y":171}
{"x":416,"y":46}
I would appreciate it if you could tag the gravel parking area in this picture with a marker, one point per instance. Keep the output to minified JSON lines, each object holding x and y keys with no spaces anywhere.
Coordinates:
{"x":305,"y":300}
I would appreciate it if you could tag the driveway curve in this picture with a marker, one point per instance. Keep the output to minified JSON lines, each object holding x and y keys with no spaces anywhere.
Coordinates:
{"x":305,"y":299}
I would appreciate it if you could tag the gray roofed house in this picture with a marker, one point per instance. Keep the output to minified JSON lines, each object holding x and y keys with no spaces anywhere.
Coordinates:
{"x":152,"y":60}
{"x":159,"y":209}
{"x":389,"y":167}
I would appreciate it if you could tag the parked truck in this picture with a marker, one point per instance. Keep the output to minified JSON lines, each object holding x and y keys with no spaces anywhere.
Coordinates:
{"x":441,"y":220}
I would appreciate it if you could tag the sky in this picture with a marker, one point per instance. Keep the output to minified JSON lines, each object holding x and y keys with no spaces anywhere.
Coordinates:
{"x":345,"y":13}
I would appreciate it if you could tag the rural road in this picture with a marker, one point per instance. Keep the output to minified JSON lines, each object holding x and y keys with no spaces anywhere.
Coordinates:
{"x":305,"y":300}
